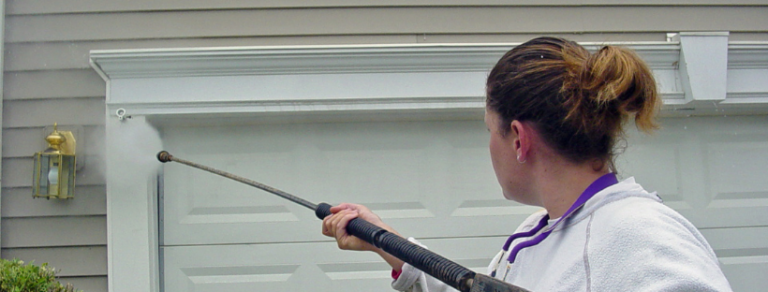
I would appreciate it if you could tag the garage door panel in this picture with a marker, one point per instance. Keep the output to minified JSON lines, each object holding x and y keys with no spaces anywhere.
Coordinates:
{"x":726,"y":217}
{"x":299,"y":266}
{"x":425,"y":177}
{"x":746,"y":276}
{"x":662,"y":155}
{"x":738,"y":172}
{"x":710,"y":169}
{"x":742,"y":254}
{"x":734,"y":239}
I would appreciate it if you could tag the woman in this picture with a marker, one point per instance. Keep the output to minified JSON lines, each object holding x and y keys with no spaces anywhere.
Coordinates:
{"x":556,"y":113}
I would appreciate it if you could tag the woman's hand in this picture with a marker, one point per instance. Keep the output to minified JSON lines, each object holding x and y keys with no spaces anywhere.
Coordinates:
{"x":335,"y":225}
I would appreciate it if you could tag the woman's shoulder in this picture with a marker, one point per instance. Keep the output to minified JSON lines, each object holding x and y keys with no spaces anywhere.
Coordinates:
{"x":651,"y":244}
{"x":638,"y":219}
{"x":639,"y":214}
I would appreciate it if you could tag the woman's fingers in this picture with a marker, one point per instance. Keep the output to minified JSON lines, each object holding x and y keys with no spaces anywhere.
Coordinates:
{"x":335,"y":225}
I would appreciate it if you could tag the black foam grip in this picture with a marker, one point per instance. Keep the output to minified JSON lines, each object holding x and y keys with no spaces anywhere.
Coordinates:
{"x":323,"y":210}
{"x":429,"y":262}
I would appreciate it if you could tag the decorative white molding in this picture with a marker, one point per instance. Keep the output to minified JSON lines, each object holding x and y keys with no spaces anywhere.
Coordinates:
{"x":382,"y":77}
{"x":145,"y":63}
{"x":743,"y":55}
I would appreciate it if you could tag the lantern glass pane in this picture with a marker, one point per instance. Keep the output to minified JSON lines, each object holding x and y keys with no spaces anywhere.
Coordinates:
{"x":54,"y":175}
{"x":42,"y":179}
{"x":67,"y":176}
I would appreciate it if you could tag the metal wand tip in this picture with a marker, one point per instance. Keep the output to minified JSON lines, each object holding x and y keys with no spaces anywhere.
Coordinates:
{"x":164,"y":156}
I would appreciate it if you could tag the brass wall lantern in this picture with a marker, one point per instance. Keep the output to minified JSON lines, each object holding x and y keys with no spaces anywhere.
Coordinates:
{"x":54,"y":174}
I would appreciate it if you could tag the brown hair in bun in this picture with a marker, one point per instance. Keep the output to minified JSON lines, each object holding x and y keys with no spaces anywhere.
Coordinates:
{"x":577,"y":101}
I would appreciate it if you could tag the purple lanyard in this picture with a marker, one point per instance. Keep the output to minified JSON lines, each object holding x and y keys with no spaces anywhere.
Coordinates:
{"x":598,"y":185}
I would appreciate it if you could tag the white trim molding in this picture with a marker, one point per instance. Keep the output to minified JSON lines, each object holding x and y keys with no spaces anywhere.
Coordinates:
{"x":398,"y":77}
{"x":702,"y":74}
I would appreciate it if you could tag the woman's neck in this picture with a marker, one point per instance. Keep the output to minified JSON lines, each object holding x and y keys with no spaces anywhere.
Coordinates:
{"x":565,"y":182}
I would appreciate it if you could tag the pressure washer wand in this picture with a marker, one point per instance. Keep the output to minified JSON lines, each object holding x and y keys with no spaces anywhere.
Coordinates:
{"x":443,"y":269}
{"x":164,"y":157}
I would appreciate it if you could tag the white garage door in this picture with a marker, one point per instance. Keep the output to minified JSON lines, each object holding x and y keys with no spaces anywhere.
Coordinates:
{"x":431,"y":180}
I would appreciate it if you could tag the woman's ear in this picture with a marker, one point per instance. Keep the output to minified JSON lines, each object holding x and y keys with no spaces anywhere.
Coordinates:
{"x":521,"y":142}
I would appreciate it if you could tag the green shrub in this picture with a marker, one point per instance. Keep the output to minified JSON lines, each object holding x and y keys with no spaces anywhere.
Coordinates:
{"x":16,"y":277}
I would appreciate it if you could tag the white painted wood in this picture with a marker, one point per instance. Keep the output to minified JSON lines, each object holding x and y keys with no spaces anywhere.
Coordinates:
{"x":712,"y":168}
{"x":54,"y":231}
{"x":132,"y":216}
{"x":420,"y":176}
{"x":385,"y":165}
{"x":322,"y":267}
{"x":397,"y":77}
{"x":747,"y":74}
{"x":301,"y":266}
{"x":703,"y":65}
{"x":742,"y":255}
{"x":746,"y":55}
{"x":299,"y":60}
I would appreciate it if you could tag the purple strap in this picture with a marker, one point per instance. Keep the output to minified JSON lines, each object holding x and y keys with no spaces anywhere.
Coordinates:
{"x":598,"y":185}
{"x":529,"y":233}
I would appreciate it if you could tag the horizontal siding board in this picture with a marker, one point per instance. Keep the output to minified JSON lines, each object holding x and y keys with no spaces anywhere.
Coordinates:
{"x":69,"y":261}
{"x":523,"y":37}
{"x":748,"y":36}
{"x":343,"y":21}
{"x":87,"y":284}
{"x":19,"y":203}
{"x":54,"y":231}
{"x":41,"y":113}
{"x":18,"y":173}
{"x":53,"y":84}
{"x":75,"y":55}
{"x":16,"y":7}
{"x":24,"y":142}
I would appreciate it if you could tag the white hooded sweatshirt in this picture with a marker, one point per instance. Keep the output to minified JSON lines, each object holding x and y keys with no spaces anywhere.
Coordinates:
{"x":622,"y":239}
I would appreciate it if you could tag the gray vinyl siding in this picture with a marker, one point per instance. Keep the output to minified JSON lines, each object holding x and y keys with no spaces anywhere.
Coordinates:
{"x":378,"y":21}
{"x":2,"y":48}
{"x":47,"y":77}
